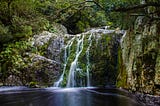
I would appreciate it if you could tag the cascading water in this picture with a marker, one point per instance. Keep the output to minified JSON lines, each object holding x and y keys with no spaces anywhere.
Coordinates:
{"x":88,"y":62}
{"x":74,"y":64}
{"x":66,"y":55}
{"x":77,"y":64}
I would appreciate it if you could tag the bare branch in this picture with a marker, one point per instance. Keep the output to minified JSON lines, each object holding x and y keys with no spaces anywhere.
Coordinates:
{"x":64,"y":9}
{"x":135,"y":7}
{"x":129,"y":8}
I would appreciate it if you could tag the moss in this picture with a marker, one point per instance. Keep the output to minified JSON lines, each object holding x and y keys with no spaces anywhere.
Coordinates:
{"x":33,"y":84}
{"x":122,"y":74}
{"x":82,"y":58}
{"x":108,"y":39}
{"x":43,"y":49}
{"x":102,"y":57}
{"x":70,"y":60}
{"x":72,"y":54}
{"x":103,"y":60}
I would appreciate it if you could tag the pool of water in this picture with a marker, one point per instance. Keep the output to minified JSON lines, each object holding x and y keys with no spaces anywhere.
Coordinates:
{"x":22,"y":96}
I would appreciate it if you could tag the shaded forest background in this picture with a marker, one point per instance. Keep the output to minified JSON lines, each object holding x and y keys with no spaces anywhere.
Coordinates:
{"x":21,"y":19}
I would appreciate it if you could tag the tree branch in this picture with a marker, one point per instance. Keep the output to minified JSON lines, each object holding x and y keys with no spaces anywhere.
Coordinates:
{"x":64,"y":9}
{"x":118,"y":9}
{"x":129,"y":8}
{"x":135,"y":7}
{"x":95,"y":2}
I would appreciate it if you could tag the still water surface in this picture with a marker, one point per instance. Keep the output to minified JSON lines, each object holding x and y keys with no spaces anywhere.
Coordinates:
{"x":21,"y":96}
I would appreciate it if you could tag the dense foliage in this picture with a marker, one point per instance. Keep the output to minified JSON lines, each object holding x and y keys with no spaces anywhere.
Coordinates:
{"x":14,"y":59}
{"x":21,"y":19}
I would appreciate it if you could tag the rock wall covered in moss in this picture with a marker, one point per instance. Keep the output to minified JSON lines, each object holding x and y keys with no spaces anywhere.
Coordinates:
{"x":92,"y":59}
{"x":140,"y":60}
{"x":35,"y":62}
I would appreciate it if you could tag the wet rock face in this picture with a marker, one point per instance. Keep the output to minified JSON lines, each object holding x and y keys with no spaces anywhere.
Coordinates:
{"x":148,"y":100}
{"x":43,"y":61}
{"x":46,"y":65}
{"x":140,"y":55}
{"x":89,"y":59}
{"x":43,"y":70}
{"x":13,"y":80}
{"x":104,"y":59}
{"x":54,"y":48}
{"x":43,"y":38}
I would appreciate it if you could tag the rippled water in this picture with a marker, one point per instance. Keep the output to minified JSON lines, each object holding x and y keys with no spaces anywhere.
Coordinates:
{"x":21,"y":96}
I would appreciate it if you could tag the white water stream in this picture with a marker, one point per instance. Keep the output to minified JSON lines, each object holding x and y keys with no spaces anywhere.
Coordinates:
{"x":71,"y":77}
{"x":66,"y":55}
{"x":88,"y":62}
{"x":74,"y":70}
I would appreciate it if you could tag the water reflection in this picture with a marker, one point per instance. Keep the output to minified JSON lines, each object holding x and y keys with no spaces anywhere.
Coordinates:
{"x":67,"y":97}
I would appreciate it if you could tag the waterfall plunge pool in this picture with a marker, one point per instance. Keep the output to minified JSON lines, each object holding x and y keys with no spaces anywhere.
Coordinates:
{"x":86,"y":96}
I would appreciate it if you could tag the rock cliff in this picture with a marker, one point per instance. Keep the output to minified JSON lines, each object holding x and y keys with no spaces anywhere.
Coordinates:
{"x":140,"y":61}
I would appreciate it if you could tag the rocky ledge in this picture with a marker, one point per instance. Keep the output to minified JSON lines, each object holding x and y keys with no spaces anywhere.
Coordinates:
{"x":148,"y":100}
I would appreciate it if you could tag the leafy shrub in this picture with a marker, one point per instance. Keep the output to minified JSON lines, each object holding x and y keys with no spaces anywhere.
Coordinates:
{"x":39,"y":24}
{"x":5,"y":35}
{"x":14,"y":58}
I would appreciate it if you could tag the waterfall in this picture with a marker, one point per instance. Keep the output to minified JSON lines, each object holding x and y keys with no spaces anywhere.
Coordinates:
{"x":88,"y":62}
{"x":66,"y":55}
{"x":77,"y":52}
{"x":124,"y":35}
{"x":73,"y":67}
